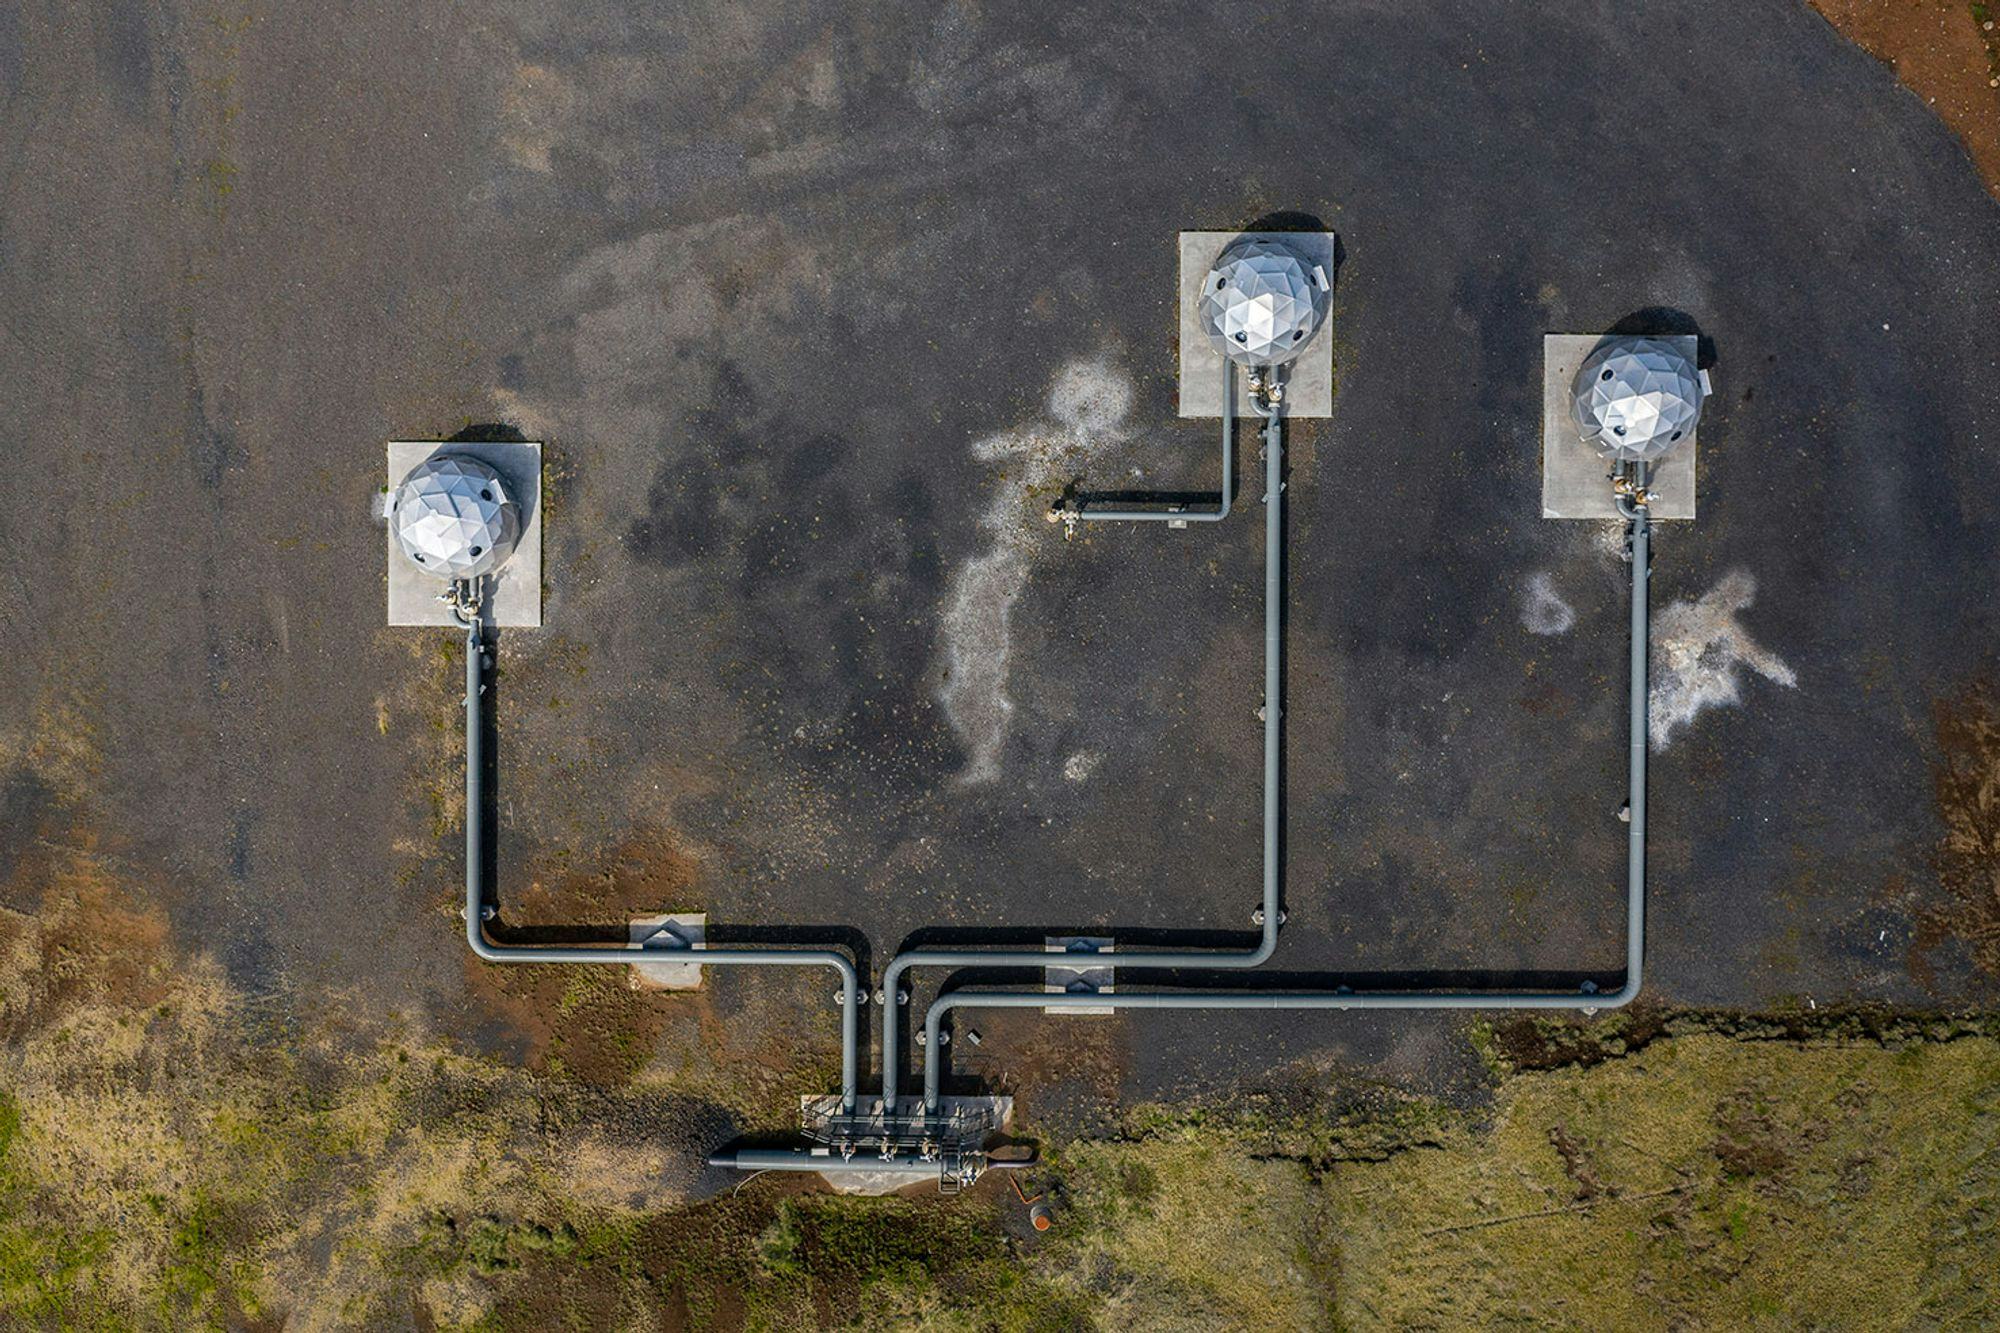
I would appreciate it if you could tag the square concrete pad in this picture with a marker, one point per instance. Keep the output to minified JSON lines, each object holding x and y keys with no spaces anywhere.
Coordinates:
{"x":675,"y":935}
{"x":515,"y":596}
{"x":1308,"y":389}
{"x":1574,"y":478}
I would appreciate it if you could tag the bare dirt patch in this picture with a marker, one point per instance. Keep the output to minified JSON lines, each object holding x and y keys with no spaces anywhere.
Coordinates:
{"x":90,"y":941}
{"x":583,"y":1021}
{"x":1041,"y":1060}
{"x":1967,"y":792}
{"x":736,"y":1039}
{"x":1945,"y":51}
{"x":648,"y":873}
{"x":589,"y":1021}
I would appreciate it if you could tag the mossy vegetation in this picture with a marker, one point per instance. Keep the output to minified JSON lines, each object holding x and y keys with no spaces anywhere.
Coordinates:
{"x":176,"y":1155}
{"x":1707,"y":1181}
{"x":1648,"y":1171}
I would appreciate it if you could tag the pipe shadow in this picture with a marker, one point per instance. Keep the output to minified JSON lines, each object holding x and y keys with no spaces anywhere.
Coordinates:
{"x":1074,"y":496}
{"x":853,"y":940}
{"x":850,"y":938}
{"x":1015,"y":937}
{"x":1500,"y":982}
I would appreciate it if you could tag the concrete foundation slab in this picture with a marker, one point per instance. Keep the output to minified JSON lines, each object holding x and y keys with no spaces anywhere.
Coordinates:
{"x":1308,"y":387}
{"x":514,"y":597}
{"x":669,"y":932}
{"x":1575,"y":480}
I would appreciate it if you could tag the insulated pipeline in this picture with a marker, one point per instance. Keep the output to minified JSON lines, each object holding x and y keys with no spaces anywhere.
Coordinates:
{"x":1079,"y":509}
{"x":1269,"y":914}
{"x":619,"y":955}
{"x":1585,"y":998}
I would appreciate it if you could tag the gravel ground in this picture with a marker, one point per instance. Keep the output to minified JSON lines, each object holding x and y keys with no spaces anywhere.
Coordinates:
{"x":813,"y":306}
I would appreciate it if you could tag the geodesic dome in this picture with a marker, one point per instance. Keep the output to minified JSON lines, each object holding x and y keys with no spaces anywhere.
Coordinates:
{"x":454,"y":518}
{"x":1637,"y":398}
{"x":1262,"y":302}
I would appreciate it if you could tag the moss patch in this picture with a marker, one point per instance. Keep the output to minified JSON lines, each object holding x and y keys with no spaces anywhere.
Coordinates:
{"x":173,"y":1155}
{"x":1708,"y":1182}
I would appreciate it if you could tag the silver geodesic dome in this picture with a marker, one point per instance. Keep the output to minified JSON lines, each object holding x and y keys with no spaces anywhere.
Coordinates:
{"x":1262,"y":302}
{"x":454,"y":518}
{"x":1637,"y":398}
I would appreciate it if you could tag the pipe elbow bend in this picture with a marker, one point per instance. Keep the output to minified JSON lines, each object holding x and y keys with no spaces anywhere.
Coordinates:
{"x":1619,"y":998}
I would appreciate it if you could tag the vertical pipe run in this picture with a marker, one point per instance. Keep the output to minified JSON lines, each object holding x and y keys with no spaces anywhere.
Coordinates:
{"x":1638,"y":738}
{"x":475,"y":764}
{"x":1588,"y":998}
{"x":1274,"y":667}
{"x":1268,"y":915}
{"x":476,"y":912}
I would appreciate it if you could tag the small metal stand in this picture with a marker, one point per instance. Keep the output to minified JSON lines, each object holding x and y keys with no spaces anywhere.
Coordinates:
{"x":668,"y":933}
{"x":1079,"y":975}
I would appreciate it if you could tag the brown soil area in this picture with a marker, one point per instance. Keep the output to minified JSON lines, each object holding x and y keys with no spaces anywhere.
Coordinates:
{"x":589,"y":1021}
{"x":584,"y":1021}
{"x":94,"y":941}
{"x":648,"y":873}
{"x":1026,"y":1053}
{"x":1946,"y":52}
{"x":592,"y":1024}
{"x":1968,"y":856}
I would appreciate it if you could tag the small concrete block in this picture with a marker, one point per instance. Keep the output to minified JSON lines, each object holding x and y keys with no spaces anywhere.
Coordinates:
{"x":1079,"y":975}
{"x":1309,"y":384}
{"x":670,"y":932}
{"x":515,"y":596}
{"x":1575,"y":480}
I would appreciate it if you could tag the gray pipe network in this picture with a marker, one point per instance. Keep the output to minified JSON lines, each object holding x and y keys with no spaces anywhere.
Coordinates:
{"x":916,"y":1144}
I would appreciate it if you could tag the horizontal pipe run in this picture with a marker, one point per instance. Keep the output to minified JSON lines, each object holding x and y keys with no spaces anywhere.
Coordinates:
{"x":803,"y":1159}
{"x":933,"y":1048}
{"x":1267,"y":943}
{"x":1635,"y":880}
{"x":475,"y":910}
{"x":1225,"y":502}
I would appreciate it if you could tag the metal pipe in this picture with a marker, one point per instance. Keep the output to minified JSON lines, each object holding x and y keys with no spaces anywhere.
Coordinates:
{"x":1076,"y":508}
{"x":826,"y":1159}
{"x":477,"y":913}
{"x":819,"y":1159}
{"x":1587,"y":998}
{"x":1267,"y":917}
